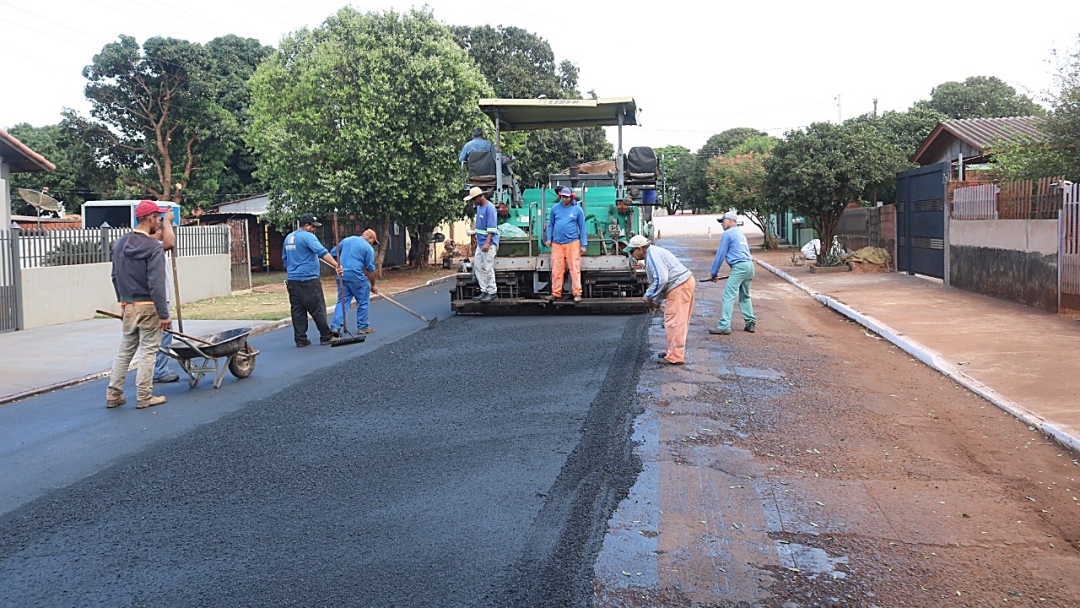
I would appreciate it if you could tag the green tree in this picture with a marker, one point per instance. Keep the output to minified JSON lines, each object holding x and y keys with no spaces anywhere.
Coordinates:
{"x":979,"y":97}
{"x":726,"y":141}
{"x":738,"y":181}
{"x":1063,"y":124}
{"x":675,"y":164}
{"x":904,"y":132}
{"x":819,"y":170}
{"x":364,"y":116}
{"x":235,"y":60}
{"x":154,"y":111}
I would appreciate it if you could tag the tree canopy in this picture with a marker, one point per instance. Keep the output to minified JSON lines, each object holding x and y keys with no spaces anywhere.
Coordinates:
{"x":155,"y":116}
{"x":979,"y":97}
{"x":1063,"y":124}
{"x":737,"y":180}
{"x":365,"y":116}
{"x":819,"y":170}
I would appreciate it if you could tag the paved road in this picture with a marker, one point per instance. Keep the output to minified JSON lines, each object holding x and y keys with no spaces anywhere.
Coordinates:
{"x":461,"y":466}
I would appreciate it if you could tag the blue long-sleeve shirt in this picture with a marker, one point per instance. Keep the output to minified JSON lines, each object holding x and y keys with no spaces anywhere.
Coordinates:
{"x":566,"y":224}
{"x":357,"y":255}
{"x":487,"y":222}
{"x":301,"y":255}
{"x":733,"y":249}
{"x":476,"y":144}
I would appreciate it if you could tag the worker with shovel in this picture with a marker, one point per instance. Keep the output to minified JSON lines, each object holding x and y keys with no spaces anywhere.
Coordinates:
{"x":734,"y":250}
{"x":671,"y":281}
{"x":357,"y":258}
{"x":138,"y":276}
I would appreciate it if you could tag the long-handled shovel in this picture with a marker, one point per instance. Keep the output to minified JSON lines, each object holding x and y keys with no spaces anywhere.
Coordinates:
{"x":168,"y":331}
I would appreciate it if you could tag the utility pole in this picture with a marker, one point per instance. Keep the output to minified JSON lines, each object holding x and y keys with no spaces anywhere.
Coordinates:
{"x":663,"y":173}
{"x":875,"y":107}
{"x":839,"y":115}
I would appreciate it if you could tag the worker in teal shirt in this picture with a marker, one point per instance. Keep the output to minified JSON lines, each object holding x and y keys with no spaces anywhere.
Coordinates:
{"x":735,"y":251}
{"x":567,"y":237}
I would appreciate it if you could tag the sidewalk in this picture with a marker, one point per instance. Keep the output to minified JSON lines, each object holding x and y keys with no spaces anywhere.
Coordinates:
{"x":1023,"y":360}
{"x":47,"y":358}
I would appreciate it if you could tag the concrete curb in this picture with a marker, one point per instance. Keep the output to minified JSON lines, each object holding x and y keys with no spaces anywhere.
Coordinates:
{"x":258,"y":330}
{"x":934,"y":360}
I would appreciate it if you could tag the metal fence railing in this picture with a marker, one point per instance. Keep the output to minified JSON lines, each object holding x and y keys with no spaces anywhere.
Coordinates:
{"x":41,"y":248}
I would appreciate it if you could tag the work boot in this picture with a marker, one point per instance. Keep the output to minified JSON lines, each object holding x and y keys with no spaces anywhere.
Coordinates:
{"x":487,"y":297}
{"x":750,"y":327}
{"x":325,"y":341}
{"x":114,"y":401}
{"x":151,"y":402}
{"x":577,"y":299}
{"x":169,"y":376}
{"x":302,"y":343}
{"x":336,"y":333}
{"x":478,"y":297}
{"x":366,"y":330}
{"x":551,"y":297}
{"x":716,"y":331}
{"x":661,"y":355}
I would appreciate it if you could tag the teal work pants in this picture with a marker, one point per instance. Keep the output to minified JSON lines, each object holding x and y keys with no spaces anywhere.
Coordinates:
{"x":738,"y":286}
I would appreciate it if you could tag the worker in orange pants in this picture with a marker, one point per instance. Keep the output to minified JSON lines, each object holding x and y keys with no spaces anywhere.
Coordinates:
{"x":670,"y":280}
{"x":567,"y":238}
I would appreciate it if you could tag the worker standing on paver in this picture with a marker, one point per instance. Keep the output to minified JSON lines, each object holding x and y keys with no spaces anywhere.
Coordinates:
{"x":734,"y":250}
{"x":138,"y":277}
{"x":357,"y":258}
{"x":301,"y":254}
{"x":670,"y":280}
{"x":487,"y":244}
{"x":567,"y":238}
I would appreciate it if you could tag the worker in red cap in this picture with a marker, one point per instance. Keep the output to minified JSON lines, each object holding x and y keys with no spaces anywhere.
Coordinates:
{"x":138,"y":277}
{"x":356,"y":255}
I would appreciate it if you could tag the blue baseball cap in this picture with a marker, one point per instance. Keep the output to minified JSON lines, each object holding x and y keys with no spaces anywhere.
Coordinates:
{"x":566,"y":192}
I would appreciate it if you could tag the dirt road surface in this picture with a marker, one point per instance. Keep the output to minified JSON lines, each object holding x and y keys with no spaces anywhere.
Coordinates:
{"x":814,"y":464}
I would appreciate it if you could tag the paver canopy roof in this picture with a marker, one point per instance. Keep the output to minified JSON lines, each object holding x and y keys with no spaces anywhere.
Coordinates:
{"x":531,"y":114}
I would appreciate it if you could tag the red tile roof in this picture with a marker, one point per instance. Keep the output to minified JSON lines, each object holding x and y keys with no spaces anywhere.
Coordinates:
{"x":20,"y":158}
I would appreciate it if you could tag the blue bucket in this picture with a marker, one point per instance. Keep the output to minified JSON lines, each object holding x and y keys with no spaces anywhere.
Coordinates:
{"x":648,"y":197}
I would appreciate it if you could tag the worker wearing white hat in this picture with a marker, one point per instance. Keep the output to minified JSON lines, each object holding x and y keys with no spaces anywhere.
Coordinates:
{"x":670,"y":280}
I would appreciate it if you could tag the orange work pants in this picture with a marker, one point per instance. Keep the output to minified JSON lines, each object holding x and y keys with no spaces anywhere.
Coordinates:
{"x":677,"y":311}
{"x":561,"y":256}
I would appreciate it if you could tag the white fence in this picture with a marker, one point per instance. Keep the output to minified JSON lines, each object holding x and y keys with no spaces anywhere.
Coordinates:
{"x":42,"y":248}
{"x":1069,"y":251}
{"x":975,"y":203}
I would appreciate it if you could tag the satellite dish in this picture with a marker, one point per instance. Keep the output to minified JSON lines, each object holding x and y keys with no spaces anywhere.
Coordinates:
{"x":39,"y":199}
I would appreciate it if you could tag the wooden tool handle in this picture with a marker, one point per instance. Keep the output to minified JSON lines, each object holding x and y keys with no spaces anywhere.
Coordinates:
{"x":175,"y":333}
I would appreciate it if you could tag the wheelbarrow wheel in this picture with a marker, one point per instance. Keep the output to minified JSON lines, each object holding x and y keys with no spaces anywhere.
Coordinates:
{"x":243,"y":363}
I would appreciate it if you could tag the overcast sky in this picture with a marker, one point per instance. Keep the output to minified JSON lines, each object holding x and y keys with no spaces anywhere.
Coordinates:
{"x":695,"y":67}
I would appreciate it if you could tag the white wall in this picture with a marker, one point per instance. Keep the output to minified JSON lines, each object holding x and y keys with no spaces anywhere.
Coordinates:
{"x":61,"y":294}
{"x":1017,"y":235}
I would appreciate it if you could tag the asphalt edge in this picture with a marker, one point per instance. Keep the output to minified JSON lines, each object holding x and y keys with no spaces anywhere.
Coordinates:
{"x":257,"y":330}
{"x":935,"y":361}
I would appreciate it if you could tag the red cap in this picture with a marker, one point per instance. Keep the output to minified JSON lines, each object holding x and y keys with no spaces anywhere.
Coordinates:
{"x":145,"y":208}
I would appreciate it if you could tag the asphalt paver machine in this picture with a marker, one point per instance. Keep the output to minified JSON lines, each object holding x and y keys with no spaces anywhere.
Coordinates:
{"x":617,"y":198}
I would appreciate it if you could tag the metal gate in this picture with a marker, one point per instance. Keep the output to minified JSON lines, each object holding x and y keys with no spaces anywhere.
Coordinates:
{"x":1069,"y":251}
{"x":240,"y":253}
{"x":10,"y":300}
{"x":920,"y":220}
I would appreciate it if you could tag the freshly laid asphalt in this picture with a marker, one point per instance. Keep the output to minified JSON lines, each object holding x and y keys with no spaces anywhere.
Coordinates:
{"x":420,"y":471}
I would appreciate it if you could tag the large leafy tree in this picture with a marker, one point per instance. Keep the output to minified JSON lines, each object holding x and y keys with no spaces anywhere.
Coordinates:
{"x":819,"y":170}
{"x":738,"y":181}
{"x":154,"y":111}
{"x":904,"y":132}
{"x":46,"y":141}
{"x":697,"y":184}
{"x":1063,"y":124}
{"x":364,"y":116}
{"x":726,"y":141}
{"x":521,"y":65}
{"x":675,"y":164}
{"x":979,"y":97}
{"x":235,"y":60}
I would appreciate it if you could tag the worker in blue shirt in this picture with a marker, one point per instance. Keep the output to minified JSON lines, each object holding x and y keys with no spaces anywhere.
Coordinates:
{"x":735,"y":251}
{"x":487,"y":244}
{"x":567,"y":237}
{"x":357,"y":257}
{"x":301,"y":254}
{"x":476,"y":144}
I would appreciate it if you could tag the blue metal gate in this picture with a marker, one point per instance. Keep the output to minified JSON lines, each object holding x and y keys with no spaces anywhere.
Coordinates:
{"x":920,"y":220}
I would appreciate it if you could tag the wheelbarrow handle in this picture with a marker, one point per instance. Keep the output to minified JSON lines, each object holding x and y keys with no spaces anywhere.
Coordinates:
{"x":169,"y":331}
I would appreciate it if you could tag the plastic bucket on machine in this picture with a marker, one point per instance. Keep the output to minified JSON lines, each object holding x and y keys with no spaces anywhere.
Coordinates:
{"x":648,"y":197}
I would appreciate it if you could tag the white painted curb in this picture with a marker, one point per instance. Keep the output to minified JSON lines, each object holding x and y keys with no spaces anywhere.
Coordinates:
{"x":934,"y":360}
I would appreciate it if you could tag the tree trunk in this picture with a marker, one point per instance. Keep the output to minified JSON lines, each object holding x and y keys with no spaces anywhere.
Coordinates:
{"x":384,"y":238}
{"x":763,"y":225}
{"x":420,"y":246}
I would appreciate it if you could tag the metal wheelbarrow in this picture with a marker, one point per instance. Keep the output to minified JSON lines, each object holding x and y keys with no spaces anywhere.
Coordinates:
{"x":214,"y":354}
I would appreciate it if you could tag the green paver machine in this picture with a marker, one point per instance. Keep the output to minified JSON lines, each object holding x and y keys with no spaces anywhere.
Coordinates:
{"x":617,"y":199}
